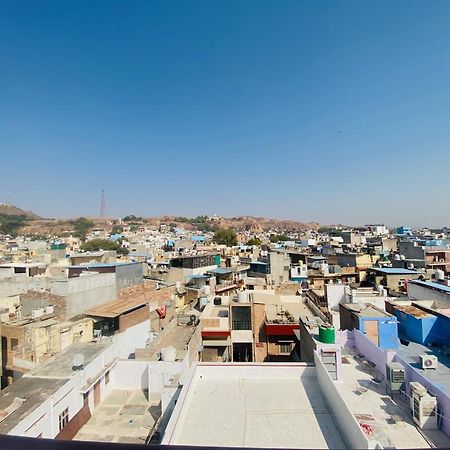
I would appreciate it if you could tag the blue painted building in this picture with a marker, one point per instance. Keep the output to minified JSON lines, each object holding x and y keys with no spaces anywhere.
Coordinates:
{"x":380,"y":327}
{"x":404,"y":231}
{"x":422,"y":325}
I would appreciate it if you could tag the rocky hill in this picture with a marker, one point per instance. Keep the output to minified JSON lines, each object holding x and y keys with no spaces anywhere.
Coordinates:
{"x":11,"y":210}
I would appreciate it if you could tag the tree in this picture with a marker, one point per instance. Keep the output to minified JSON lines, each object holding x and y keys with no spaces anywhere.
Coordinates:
{"x":132,"y":218}
{"x":82,"y":226}
{"x":254,"y":241}
{"x":116,"y":229}
{"x":11,"y":224}
{"x":225,"y":236}
{"x":103,"y":244}
{"x":278,"y":238}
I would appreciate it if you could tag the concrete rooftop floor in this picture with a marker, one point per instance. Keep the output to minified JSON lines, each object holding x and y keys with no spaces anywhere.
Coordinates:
{"x":261,"y":411}
{"x":373,"y":406}
{"x":124,"y":416}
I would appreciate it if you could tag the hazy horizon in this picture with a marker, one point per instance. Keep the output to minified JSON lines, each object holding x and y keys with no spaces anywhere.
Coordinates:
{"x":319,"y":111}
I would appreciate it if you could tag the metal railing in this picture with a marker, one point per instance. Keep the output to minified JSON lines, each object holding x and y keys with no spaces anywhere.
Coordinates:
{"x":241,"y":325}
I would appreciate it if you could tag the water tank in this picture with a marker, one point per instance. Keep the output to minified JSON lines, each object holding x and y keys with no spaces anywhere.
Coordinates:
{"x":380,"y":289}
{"x":242,"y":297}
{"x":440,"y":275}
{"x":36,"y":313}
{"x":410,"y":266}
{"x":207,"y":290}
{"x":177,"y":284}
{"x":397,"y":257}
{"x":169,"y":354}
{"x":326,"y":335}
{"x":49,"y":309}
{"x":402,"y":257}
{"x":217,"y":301}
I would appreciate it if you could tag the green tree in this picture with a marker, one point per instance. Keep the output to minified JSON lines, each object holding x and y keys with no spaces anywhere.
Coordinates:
{"x":254,"y":241}
{"x":82,"y":226}
{"x":116,"y":229}
{"x":10,"y":224}
{"x":225,"y":236}
{"x":95,"y":245}
{"x":278,"y":237}
{"x":132,"y":218}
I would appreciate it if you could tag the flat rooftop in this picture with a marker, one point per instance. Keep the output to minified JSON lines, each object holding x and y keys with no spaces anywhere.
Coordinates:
{"x":124,"y":416}
{"x":253,"y":405}
{"x":394,"y":271}
{"x":275,"y":312}
{"x":116,"y":308}
{"x":33,"y":390}
{"x":61,"y":365}
{"x":440,"y":377}
{"x":390,"y":419}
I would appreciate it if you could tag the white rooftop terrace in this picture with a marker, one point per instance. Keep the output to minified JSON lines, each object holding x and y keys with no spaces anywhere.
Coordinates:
{"x":253,"y":405}
{"x":388,"y":420}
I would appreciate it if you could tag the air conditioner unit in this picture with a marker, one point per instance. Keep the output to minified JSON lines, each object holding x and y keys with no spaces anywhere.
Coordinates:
{"x":424,"y":407}
{"x":395,"y":376}
{"x":429,"y":361}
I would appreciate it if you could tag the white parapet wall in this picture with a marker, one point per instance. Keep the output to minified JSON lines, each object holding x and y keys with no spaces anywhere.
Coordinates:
{"x":348,"y":426}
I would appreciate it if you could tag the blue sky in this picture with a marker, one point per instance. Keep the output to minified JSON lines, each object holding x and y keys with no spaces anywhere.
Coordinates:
{"x":337,"y":112}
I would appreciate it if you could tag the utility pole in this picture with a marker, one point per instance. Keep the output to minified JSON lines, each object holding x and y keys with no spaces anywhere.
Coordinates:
{"x":103,"y":204}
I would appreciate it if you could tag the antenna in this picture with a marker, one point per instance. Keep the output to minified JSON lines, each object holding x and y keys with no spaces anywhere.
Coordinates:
{"x":9,"y":198}
{"x":103,"y":204}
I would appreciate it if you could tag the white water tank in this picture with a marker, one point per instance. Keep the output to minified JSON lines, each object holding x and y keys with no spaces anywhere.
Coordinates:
{"x":169,"y":354}
{"x":207,"y":290}
{"x":242,"y":297}
{"x":49,"y":309}
{"x":36,"y":313}
{"x":440,"y":275}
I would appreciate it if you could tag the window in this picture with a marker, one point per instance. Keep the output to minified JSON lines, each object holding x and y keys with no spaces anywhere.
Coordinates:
{"x":107,"y":377}
{"x":63,"y":419}
{"x":285,"y":348}
{"x":14,"y":343}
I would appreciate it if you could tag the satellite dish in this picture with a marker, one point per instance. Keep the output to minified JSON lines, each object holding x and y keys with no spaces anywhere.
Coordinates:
{"x":78,"y":361}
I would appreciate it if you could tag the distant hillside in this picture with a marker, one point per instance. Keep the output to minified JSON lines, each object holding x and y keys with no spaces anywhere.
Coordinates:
{"x":11,"y":210}
{"x":244,"y":223}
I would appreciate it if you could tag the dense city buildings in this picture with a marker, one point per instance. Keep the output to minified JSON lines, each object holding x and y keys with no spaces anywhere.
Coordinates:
{"x":330,"y":334}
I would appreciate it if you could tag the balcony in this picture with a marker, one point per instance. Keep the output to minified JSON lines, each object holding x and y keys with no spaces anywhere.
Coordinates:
{"x":241,"y":325}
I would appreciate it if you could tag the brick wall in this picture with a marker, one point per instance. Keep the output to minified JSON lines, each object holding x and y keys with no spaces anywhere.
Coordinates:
{"x":133,"y":318}
{"x":35,"y":299}
{"x":10,"y":332}
{"x":259,"y":317}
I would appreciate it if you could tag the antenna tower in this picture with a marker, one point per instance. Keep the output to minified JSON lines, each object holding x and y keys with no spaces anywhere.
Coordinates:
{"x":103,"y":204}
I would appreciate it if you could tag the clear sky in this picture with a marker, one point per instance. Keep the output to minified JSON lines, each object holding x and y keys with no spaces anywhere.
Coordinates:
{"x":337,"y":112}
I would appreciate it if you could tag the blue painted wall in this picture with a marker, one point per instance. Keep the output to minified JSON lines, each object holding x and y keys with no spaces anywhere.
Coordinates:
{"x":387,"y":331}
{"x":424,"y":330}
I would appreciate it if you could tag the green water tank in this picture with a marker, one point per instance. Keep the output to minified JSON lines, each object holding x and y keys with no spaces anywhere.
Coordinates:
{"x":326,"y":335}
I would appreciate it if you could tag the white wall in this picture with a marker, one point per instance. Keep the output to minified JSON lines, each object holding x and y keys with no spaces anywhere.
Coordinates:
{"x":335,"y":295}
{"x":417,"y":292}
{"x":131,"y":339}
{"x":349,"y":428}
{"x":130,"y":374}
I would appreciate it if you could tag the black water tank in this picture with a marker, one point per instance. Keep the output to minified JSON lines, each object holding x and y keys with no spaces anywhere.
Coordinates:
{"x":217,"y":301}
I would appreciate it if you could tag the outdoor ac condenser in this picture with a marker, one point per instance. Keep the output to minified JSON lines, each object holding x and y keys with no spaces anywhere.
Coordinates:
{"x":429,"y":361}
{"x":424,"y":407}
